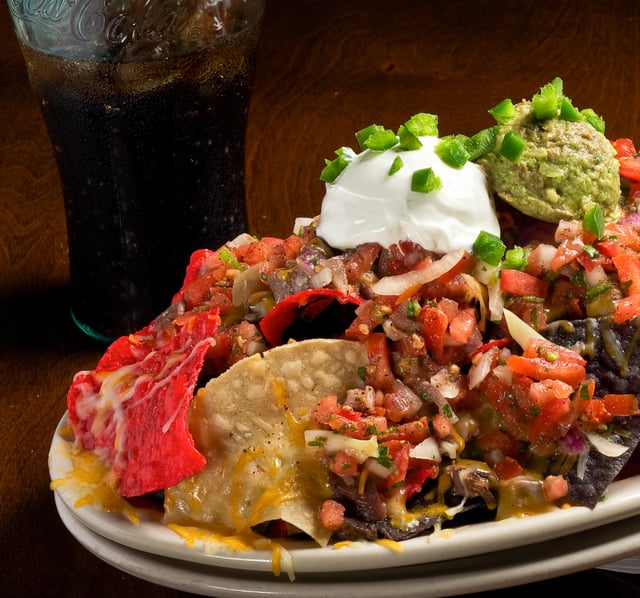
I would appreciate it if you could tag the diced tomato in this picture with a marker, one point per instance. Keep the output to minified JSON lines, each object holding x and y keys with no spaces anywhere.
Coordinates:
{"x":620,"y":404}
{"x":261,"y":250}
{"x":544,"y":360}
{"x":623,"y":147}
{"x":221,"y":297}
{"x":360,"y":262}
{"x":449,"y":307}
{"x":463,"y":325}
{"x":346,"y":421}
{"x":435,"y":324}
{"x":607,"y":247}
{"x":549,"y":422}
{"x":401,"y":257}
{"x":627,"y":309}
{"x":194,"y":270}
{"x":293,"y":244}
{"x":399,"y":455}
{"x":555,"y":487}
{"x":379,"y":373}
{"x":442,"y":426}
{"x":332,"y":514}
{"x":343,"y":463}
{"x":375,"y":425}
{"x":325,"y":408}
{"x":507,"y":400}
{"x":623,"y":234}
{"x":414,"y":432}
{"x":543,"y":391}
{"x":369,"y":315}
{"x":419,"y":472}
{"x":595,"y":412}
{"x":628,"y":267}
{"x":199,"y":290}
{"x":528,"y":309}
{"x":567,"y":252}
{"x":541,"y":347}
{"x":508,"y":468}
{"x":520,"y":283}
{"x":630,"y":167}
{"x":540,"y":368}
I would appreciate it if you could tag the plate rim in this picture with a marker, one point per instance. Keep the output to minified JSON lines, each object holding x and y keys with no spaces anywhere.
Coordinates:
{"x":491,"y":571}
{"x":622,"y":501}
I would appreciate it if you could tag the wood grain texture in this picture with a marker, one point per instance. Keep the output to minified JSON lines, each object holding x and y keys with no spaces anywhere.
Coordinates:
{"x":325,"y":69}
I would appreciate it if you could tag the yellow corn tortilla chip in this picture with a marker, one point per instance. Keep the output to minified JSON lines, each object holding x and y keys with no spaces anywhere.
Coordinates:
{"x":249,"y":423}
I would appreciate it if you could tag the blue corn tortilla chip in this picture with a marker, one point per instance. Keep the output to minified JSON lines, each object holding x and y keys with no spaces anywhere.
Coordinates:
{"x":612,"y":352}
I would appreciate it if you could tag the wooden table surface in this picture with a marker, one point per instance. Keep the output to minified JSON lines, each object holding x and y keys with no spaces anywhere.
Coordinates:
{"x":325,"y":69}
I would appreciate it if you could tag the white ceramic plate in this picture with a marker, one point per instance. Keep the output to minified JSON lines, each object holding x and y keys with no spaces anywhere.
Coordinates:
{"x":622,"y":501}
{"x":486,"y":572}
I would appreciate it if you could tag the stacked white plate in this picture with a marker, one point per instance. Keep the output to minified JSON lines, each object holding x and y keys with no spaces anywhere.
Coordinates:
{"x":479,"y":557}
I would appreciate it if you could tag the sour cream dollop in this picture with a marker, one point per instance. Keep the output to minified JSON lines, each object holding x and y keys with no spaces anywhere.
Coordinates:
{"x":366,"y":204}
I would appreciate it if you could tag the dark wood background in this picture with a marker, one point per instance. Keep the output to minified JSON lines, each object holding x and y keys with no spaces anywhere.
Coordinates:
{"x":326,"y":68}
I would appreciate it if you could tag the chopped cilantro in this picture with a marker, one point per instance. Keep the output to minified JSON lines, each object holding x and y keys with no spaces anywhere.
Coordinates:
{"x":383,"y":456}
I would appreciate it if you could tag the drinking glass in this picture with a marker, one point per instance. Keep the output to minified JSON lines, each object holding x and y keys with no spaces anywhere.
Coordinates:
{"x":146,"y":104}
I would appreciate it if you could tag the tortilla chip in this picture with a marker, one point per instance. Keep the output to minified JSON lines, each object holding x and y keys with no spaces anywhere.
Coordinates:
{"x":249,"y":423}
{"x":132,"y":409}
{"x":612,"y":352}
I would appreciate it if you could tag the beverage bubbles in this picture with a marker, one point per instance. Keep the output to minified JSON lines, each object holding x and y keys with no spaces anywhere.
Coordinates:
{"x":146,"y":105}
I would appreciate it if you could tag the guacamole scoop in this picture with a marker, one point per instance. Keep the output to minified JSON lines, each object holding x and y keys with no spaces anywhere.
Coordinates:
{"x":560,"y":168}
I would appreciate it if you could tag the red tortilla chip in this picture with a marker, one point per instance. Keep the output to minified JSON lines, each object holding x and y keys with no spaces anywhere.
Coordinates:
{"x":131,"y":410}
{"x":196,"y":262}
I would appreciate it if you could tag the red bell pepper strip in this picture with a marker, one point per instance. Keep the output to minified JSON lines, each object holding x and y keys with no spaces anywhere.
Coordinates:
{"x":308,"y":304}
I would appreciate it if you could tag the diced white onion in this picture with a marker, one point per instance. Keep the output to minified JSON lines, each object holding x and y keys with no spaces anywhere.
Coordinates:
{"x":427,"y":449}
{"x":519,"y":330}
{"x":332,"y":442}
{"x":595,"y":276}
{"x":503,"y":373}
{"x":299,"y":223}
{"x":484,"y":272}
{"x":397,"y":284}
{"x":447,"y":387}
{"x":241,"y":239}
{"x":496,"y":302}
{"x":568,"y":229}
{"x":449,"y":448}
{"x":391,"y":331}
{"x":605,"y":446}
{"x":321,"y":278}
{"x":377,"y":469}
{"x":481,"y":367}
{"x":581,"y":467}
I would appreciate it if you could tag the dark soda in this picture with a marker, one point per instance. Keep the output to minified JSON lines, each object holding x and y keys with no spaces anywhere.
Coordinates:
{"x":151,"y":158}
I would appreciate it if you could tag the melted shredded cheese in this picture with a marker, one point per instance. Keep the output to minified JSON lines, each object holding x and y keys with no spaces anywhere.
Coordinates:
{"x":90,"y":482}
